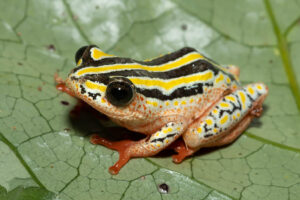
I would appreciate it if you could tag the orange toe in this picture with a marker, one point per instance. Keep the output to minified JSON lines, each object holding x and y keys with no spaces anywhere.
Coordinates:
{"x":120,"y":146}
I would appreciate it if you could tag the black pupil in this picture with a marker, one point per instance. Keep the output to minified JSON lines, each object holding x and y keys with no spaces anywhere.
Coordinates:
{"x":119,"y":93}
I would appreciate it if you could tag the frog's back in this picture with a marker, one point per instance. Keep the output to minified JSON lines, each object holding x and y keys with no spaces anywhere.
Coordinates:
{"x":178,"y":74}
{"x":178,"y":83}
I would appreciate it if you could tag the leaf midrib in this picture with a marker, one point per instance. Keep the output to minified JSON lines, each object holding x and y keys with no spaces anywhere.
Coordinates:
{"x":284,"y":53}
{"x":22,"y":161}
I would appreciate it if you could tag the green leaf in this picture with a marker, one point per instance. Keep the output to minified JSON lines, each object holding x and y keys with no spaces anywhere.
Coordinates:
{"x":46,"y":151}
{"x":30,"y":193}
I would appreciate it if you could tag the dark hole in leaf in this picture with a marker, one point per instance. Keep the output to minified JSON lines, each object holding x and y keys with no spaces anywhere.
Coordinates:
{"x":51,"y":47}
{"x":65,"y":103}
{"x":19,"y":63}
{"x":184,"y":27}
{"x":163,"y":188}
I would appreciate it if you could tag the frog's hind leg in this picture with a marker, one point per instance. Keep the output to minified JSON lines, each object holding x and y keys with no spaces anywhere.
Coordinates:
{"x":147,"y":147}
{"x":233,"y":70}
{"x":226,"y":121}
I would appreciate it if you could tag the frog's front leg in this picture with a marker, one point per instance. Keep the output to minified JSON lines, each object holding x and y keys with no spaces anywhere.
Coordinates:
{"x":225,"y":122}
{"x":61,"y":85}
{"x":147,"y":147}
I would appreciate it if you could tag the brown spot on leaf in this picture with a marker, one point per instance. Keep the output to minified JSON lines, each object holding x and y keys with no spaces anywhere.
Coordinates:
{"x":184,"y":27}
{"x":163,"y":188}
{"x":51,"y":47}
{"x":75,"y":17}
{"x":65,"y":103}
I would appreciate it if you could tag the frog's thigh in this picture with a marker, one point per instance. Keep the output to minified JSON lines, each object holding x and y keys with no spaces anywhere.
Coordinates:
{"x":233,"y":134}
{"x":228,"y":119}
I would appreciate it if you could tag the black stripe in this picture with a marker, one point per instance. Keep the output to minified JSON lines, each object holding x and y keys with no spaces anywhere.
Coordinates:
{"x":82,"y":90}
{"x":88,"y":61}
{"x":178,"y":93}
{"x":168,"y":57}
{"x":208,"y":135}
{"x":94,"y":95}
{"x":185,"y":70}
{"x":184,"y":91}
{"x":162,"y":139}
{"x":158,"y":139}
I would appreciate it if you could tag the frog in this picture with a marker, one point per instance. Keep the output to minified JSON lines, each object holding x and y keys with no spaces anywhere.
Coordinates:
{"x":182,"y":100}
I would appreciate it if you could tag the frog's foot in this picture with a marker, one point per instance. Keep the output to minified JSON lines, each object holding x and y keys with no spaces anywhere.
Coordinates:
{"x":120,"y":146}
{"x":146,"y":147}
{"x":61,"y":85}
{"x":234,"y":70}
{"x":257,"y":110}
{"x":182,"y":151}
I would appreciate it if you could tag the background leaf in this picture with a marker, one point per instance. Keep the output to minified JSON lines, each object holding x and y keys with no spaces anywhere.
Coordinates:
{"x":48,"y":152}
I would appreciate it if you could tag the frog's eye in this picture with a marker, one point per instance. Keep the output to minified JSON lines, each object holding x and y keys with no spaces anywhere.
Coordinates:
{"x":120,"y":91}
{"x":79,"y":53}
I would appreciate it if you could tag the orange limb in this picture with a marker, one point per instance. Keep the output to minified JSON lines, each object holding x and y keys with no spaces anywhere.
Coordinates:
{"x":148,"y":146}
{"x":63,"y":88}
{"x":120,"y":146}
{"x":61,"y":85}
{"x":182,"y":151}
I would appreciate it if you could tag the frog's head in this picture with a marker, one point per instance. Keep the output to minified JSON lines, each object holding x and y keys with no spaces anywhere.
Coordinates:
{"x":94,"y":82}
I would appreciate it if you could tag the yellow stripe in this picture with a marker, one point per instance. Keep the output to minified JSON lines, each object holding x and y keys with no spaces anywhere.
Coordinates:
{"x":209,"y":122}
{"x":79,"y":62}
{"x":199,"y":129}
{"x":250,"y":90}
{"x":230,"y":98}
{"x":95,"y":86}
{"x":165,"y":67}
{"x":169,"y":84}
{"x":243,"y":99}
{"x":154,"y":103}
{"x":224,"y":105}
{"x":259,"y":87}
{"x":228,"y":80}
{"x":220,"y":78}
{"x":96,"y":54}
{"x":224,"y":119}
